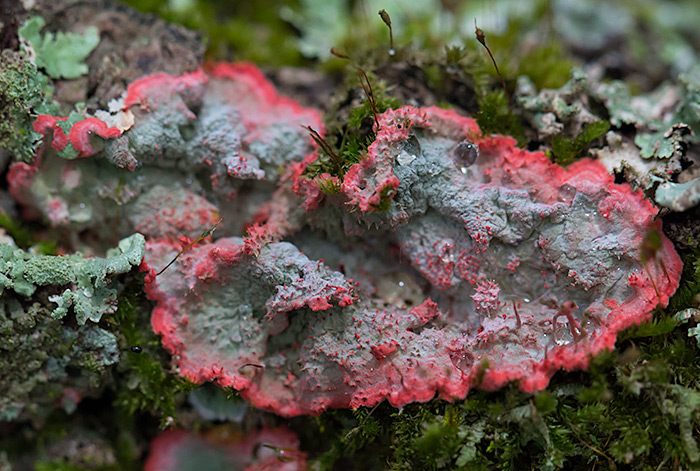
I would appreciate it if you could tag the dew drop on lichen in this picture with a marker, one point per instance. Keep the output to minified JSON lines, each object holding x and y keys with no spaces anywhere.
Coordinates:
{"x":466,"y":153}
{"x":411,"y":146}
{"x":462,"y":360}
{"x":567,"y":193}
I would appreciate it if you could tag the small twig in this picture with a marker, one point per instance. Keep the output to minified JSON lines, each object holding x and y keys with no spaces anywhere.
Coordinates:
{"x":364,"y":80}
{"x":254,"y":365}
{"x":367,"y":87}
{"x":481,"y":37}
{"x":189,"y":246}
{"x":566,"y":310}
{"x":284,"y":454}
{"x":387,"y":21}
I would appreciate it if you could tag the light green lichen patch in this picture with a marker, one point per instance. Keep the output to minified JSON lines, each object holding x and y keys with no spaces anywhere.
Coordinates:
{"x":61,"y":55}
{"x":87,"y":280}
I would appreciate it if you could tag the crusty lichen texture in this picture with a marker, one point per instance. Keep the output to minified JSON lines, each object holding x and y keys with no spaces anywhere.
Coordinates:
{"x":529,"y":267}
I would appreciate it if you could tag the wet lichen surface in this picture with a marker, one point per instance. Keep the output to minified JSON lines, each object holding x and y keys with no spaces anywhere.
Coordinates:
{"x":429,"y":248}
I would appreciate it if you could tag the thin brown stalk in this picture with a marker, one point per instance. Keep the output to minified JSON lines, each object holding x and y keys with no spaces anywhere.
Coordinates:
{"x":367,"y":87}
{"x":481,"y":37}
{"x":387,"y":21}
{"x":325,"y":147}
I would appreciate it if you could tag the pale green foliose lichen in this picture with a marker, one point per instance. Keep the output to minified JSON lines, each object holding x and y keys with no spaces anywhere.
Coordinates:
{"x":86,"y":281}
{"x":61,"y":54}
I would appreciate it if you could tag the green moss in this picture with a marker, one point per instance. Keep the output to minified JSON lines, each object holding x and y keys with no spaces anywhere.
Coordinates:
{"x":146,"y":384}
{"x":24,"y":93}
{"x":43,"y":358}
{"x":24,"y":237}
{"x":355,"y":134}
{"x":548,"y":65}
{"x":687,"y":294}
{"x":496,"y":117}
{"x":566,"y":150}
{"x":62,"y":466}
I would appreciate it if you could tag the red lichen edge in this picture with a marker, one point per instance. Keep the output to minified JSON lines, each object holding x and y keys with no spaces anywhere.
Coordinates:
{"x":78,"y":136}
{"x":262,"y":92}
{"x":139,"y":92}
{"x":636,"y":309}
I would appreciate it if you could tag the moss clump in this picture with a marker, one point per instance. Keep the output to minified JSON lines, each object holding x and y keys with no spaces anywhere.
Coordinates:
{"x":566,"y":149}
{"x":146,"y":384}
{"x":24,"y":93}
{"x":496,"y":117}
{"x":353,"y":134}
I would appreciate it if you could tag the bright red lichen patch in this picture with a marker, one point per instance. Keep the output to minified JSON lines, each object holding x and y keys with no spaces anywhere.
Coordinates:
{"x":262,"y":109}
{"x":78,"y":136}
{"x":151,"y":91}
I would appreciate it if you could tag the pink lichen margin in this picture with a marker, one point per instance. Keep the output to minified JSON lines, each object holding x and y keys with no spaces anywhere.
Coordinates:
{"x":78,"y":136}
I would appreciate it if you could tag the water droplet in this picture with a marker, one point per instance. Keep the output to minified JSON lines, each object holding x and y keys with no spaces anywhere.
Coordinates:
{"x":462,"y":359}
{"x":411,"y":146}
{"x":463,"y":169}
{"x":392,"y":52}
{"x":526,"y":300}
{"x":567,"y":193}
{"x":404,"y":158}
{"x":466,"y":153}
{"x":82,"y":205}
